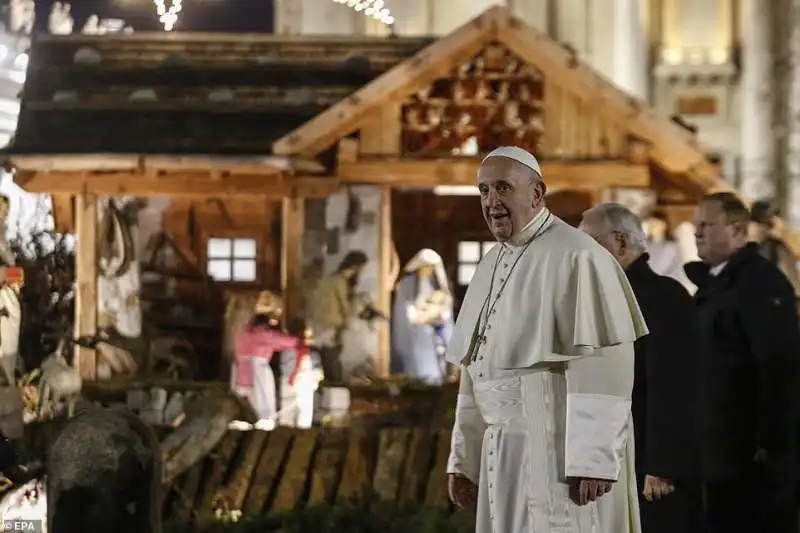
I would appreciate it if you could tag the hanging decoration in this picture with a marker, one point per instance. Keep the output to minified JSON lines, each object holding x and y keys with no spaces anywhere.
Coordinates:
{"x":168,"y":16}
{"x":371,"y":8}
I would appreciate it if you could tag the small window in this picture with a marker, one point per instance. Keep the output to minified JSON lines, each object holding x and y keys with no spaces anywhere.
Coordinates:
{"x":232,"y":259}
{"x":469,"y":255}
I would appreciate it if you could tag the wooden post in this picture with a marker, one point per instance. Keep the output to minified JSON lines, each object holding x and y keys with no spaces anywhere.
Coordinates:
{"x":385,"y":281}
{"x":86,"y":281}
{"x":381,"y":134}
{"x":292,"y":222}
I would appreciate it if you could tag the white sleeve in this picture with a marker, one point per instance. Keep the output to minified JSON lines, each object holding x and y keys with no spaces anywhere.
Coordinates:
{"x":468,"y":430}
{"x":598,"y":412}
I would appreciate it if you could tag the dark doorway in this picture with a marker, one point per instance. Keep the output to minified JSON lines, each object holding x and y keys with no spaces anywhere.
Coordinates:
{"x":454,"y":227}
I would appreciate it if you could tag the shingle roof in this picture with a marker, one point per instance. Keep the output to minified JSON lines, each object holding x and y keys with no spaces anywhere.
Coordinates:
{"x":188,"y":93}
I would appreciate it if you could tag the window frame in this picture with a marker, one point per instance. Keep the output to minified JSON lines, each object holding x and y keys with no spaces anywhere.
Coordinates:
{"x":483,"y":248}
{"x":232,"y":257}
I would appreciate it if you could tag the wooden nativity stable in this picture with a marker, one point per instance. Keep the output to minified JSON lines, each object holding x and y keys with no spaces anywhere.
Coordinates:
{"x":248,"y":135}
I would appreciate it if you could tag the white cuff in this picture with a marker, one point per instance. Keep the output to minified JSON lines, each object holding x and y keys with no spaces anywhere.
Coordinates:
{"x":597,"y":433}
{"x":467,"y":440}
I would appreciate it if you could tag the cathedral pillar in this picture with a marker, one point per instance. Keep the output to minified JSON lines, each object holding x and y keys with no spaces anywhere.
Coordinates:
{"x":288,"y":17}
{"x":758,"y":92}
{"x":316,"y":17}
{"x":630,"y":48}
{"x":792,"y":176}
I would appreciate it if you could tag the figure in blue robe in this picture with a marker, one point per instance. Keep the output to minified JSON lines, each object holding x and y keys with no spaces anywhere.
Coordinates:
{"x":422,"y":319}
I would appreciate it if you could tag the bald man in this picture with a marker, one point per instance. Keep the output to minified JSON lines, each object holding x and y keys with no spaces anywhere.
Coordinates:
{"x":542,"y":437}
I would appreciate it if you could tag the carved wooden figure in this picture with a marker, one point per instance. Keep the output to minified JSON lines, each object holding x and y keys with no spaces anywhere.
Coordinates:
{"x":59,"y":383}
{"x":119,"y":282}
{"x":10,"y":303}
{"x":487,"y":101}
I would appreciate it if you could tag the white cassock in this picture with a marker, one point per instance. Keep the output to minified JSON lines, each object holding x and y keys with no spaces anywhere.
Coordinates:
{"x":546,"y":393}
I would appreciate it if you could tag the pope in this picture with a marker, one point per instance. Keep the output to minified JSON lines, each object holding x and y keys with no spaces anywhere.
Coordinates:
{"x":542,"y":441}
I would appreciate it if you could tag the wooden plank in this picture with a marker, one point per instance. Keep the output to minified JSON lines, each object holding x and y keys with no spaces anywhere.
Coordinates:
{"x":292,"y":225}
{"x":381,"y":135}
{"x":385,"y":281}
{"x":252,"y":165}
{"x":184,"y":184}
{"x":417,"y":467}
{"x":220,"y":463}
{"x":63,"y":213}
{"x":267,"y":470}
{"x":240,"y":481}
{"x":573,"y":175}
{"x":436,"y":494}
{"x":381,"y":131}
{"x":357,"y":471}
{"x":186,"y":492}
{"x":327,"y":465}
{"x":86,"y":260}
{"x":294,"y":477}
{"x":412,"y":74}
{"x":391,"y":456}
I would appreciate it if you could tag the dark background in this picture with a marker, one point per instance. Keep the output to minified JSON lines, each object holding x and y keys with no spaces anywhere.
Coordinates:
{"x":238,"y":16}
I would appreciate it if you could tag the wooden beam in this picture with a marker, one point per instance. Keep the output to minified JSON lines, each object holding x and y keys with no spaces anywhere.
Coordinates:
{"x":292,"y":224}
{"x":86,"y":281}
{"x":63,"y":212}
{"x":164,"y":163}
{"x":411,"y":75}
{"x":395,"y":172}
{"x":384,"y":300}
{"x":381,"y":136}
{"x":186,"y":185}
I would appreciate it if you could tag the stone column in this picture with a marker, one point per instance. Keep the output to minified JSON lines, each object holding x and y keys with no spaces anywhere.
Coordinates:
{"x":792,"y":203}
{"x":317,"y":17}
{"x":757,"y":94}
{"x":630,"y":49}
{"x":288,"y":17}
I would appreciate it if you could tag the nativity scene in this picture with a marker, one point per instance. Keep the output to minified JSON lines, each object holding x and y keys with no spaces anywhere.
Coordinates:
{"x":278,"y":307}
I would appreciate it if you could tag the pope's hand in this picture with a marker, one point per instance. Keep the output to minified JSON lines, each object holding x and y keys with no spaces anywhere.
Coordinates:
{"x":656,"y":488}
{"x":583,"y":490}
{"x":463,"y":492}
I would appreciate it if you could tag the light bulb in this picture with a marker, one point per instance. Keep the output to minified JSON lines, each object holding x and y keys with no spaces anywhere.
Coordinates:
{"x":374,"y":9}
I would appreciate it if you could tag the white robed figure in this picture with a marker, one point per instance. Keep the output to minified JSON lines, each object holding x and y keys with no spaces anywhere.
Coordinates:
{"x":543,"y":436}
{"x":10,"y":304}
{"x":422,"y":318}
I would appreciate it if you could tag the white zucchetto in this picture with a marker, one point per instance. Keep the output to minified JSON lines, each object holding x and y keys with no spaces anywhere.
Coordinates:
{"x":517,"y":154}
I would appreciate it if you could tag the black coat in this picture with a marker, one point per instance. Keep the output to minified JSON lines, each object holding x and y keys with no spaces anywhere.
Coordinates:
{"x":750,"y":343}
{"x":665,"y":382}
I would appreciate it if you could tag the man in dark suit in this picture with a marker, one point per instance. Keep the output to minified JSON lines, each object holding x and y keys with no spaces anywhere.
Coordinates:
{"x":750,"y":343}
{"x":665,"y":382}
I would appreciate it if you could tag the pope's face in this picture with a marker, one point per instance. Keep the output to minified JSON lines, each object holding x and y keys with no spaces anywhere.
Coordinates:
{"x":510,"y":194}
{"x":717,"y":238}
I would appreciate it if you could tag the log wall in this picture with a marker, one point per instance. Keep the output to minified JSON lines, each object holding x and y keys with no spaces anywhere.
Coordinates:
{"x":269,"y":472}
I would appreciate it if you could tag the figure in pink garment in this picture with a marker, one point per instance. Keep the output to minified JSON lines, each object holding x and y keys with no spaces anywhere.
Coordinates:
{"x":255,"y":345}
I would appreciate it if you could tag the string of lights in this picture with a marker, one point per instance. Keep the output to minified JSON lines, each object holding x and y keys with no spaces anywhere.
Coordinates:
{"x":371,"y":8}
{"x":168,"y":16}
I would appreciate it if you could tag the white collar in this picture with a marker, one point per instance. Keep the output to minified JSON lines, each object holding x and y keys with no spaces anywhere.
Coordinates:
{"x":530,"y":230}
{"x":716,"y":269}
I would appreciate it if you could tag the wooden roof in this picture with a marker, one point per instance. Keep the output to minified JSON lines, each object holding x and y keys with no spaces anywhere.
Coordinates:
{"x":198,"y":94}
{"x":671,"y":147}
